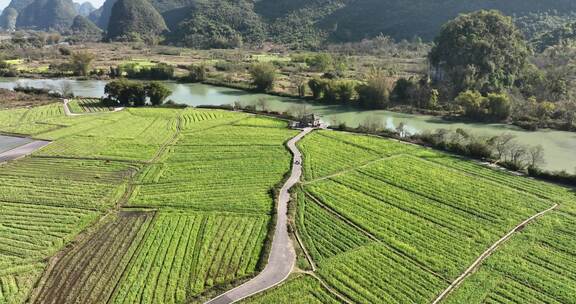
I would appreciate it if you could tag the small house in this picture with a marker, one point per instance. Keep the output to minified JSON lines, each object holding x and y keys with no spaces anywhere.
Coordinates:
{"x":307,"y":121}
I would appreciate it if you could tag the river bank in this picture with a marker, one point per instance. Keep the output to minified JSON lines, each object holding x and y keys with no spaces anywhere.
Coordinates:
{"x":559,"y":145}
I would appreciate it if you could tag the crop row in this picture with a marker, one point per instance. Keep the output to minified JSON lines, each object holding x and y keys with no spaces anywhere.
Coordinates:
{"x":58,"y":192}
{"x":481,"y":198}
{"x":536,"y":266}
{"x":238,"y":135}
{"x":328,"y":152}
{"x":374,"y":274}
{"x":218,"y":166}
{"x":299,"y":290}
{"x":434,"y":220}
{"x":77,"y":170}
{"x":16,"y":283}
{"x":324,"y":234}
{"x":34,"y":231}
{"x":90,"y":271}
{"x":87,"y":105}
{"x":262,"y":122}
{"x":31,"y":121}
{"x":540,"y":189}
{"x":184,"y":254}
{"x":28,"y":235}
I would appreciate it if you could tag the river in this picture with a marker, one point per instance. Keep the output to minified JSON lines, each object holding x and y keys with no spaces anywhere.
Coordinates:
{"x":559,"y":146}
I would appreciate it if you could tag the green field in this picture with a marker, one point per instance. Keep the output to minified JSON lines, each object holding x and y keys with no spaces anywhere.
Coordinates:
{"x":127,"y":175}
{"x":87,"y":105}
{"x":387,"y":222}
{"x":173,"y":205}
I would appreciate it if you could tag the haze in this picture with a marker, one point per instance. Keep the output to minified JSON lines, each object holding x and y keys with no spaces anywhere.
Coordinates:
{"x":96,"y":3}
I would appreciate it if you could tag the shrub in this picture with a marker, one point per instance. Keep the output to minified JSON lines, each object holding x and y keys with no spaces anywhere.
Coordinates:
{"x":197,"y":73}
{"x":376,"y":92}
{"x":499,"y":107}
{"x":320,"y":62}
{"x":81,"y":62}
{"x":263,"y":76}
{"x":157,"y":93}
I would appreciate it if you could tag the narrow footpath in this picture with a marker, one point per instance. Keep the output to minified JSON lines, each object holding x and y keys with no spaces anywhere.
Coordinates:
{"x":487,"y":253}
{"x":282,"y":254}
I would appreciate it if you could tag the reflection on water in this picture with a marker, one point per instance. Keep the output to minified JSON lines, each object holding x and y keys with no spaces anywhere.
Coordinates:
{"x":560,"y":147}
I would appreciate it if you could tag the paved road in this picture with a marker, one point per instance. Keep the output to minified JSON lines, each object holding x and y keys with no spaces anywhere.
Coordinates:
{"x":282,"y":255}
{"x":22,"y":150}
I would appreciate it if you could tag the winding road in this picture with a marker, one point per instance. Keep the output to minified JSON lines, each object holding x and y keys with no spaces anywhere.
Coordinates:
{"x":282,"y":255}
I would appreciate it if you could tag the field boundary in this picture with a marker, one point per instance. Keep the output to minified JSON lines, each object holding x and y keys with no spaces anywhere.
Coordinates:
{"x":68,"y":112}
{"x":282,"y":256}
{"x":472,"y":268}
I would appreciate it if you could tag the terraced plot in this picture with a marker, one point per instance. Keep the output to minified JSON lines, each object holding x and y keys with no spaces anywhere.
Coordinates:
{"x":220,"y":161}
{"x":29,"y":234}
{"x":90,"y":271}
{"x":299,"y":290}
{"x":215,"y":238}
{"x":329,"y":152}
{"x":187,"y":253}
{"x":87,"y":105}
{"x":536,"y":266}
{"x":432,"y":214}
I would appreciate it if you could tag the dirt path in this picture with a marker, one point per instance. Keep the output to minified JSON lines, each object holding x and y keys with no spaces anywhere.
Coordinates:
{"x":487,"y":253}
{"x":22,"y":151}
{"x":282,"y":255}
{"x":69,"y":113}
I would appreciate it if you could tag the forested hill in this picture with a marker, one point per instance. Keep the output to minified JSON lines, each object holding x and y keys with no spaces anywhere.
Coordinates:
{"x":212,"y":23}
{"x":347,"y":20}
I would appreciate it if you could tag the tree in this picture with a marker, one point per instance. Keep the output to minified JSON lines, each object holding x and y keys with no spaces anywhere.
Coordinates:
{"x":316,"y":87}
{"x":499,"y":106}
{"x":502,"y":144}
{"x":157,"y":92}
{"x":536,"y":155}
{"x":482,"y":50}
{"x":197,"y":73}
{"x":125,"y":92}
{"x":320,"y":62}
{"x":263,"y":76}
{"x":376,"y":92}
{"x":473,"y":103}
{"x":81,"y":63}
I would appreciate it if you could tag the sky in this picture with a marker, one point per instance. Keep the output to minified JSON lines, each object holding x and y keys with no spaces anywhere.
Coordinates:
{"x":96,"y":3}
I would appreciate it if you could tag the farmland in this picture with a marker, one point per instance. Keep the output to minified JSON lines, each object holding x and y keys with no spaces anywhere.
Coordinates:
{"x":127,"y":175}
{"x":386,"y":222}
{"x":176,"y":205}
{"x":87,"y":105}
